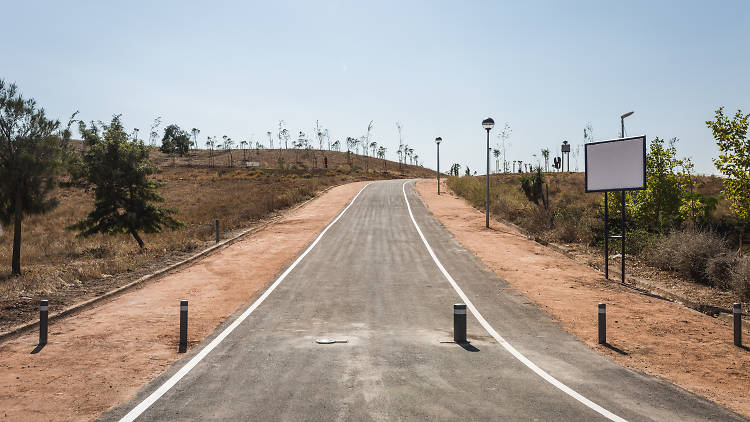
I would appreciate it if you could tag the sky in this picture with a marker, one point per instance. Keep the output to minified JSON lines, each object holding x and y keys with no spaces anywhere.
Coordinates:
{"x":547,"y":68}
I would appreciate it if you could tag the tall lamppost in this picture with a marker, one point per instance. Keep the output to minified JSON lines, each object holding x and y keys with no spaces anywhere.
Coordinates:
{"x":437,"y":142}
{"x":622,"y":122}
{"x":487,"y":124}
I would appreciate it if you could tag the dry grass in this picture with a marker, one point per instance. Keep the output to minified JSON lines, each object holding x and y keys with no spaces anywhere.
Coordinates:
{"x":573,"y":217}
{"x":64,"y":268}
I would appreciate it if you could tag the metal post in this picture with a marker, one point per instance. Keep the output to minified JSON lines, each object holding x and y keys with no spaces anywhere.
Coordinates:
{"x":606,"y":236}
{"x":183,"y":325}
{"x":487,"y":200}
{"x":43,"y":325}
{"x":459,"y":323}
{"x":217,"y":231}
{"x":622,"y":231}
{"x":602,"y":323}
{"x":438,"y":167}
{"x":737,"y":314}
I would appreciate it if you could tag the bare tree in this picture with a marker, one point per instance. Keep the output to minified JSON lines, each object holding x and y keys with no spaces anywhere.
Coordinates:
{"x":154,"y":134}
{"x":504,"y":135}
{"x":399,"y":126}
{"x":270,"y":140}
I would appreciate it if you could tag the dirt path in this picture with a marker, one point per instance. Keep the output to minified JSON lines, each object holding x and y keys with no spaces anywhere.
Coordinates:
{"x":662,"y":338}
{"x":103,"y":356}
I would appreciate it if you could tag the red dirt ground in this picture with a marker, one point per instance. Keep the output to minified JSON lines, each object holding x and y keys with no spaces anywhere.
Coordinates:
{"x":102,"y":356}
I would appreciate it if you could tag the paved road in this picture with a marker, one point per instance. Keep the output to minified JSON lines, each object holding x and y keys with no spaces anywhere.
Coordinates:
{"x":371,"y":280}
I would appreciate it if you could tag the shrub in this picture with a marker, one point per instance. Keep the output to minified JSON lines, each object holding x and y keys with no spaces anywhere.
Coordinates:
{"x":720,"y":270}
{"x":741,"y":278}
{"x":687,"y":252}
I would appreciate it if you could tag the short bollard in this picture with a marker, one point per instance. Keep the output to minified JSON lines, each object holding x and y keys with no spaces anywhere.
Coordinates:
{"x":602,"y":323}
{"x":737,"y":325}
{"x":43,"y":315}
{"x":183,"y":325}
{"x":459,"y":323}
{"x":217,"y":231}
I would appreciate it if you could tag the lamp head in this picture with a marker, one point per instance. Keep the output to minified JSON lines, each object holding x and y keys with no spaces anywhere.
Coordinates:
{"x":488,"y":123}
{"x":438,"y":140}
{"x":626,"y":114}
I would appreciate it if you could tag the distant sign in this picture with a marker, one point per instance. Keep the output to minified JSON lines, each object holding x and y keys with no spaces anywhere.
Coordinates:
{"x":252,"y":164}
{"x":617,"y":164}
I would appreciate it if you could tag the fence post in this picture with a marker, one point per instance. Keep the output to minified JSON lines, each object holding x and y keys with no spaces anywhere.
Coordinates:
{"x":183,"y":325}
{"x":602,"y":323}
{"x":459,"y":323}
{"x":43,"y":324}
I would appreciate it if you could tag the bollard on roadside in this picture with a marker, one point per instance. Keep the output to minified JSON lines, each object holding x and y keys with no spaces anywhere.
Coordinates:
{"x":602,"y":323}
{"x":737,"y":314}
{"x":217,"y":231}
{"x":183,"y":325}
{"x":43,"y":315}
{"x":459,"y":323}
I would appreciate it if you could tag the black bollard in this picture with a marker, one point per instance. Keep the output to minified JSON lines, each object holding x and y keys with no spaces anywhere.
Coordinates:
{"x":183,"y":325}
{"x":602,"y":323}
{"x":459,"y":323}
{"x":43,"y":315}
{"x":217,"y":231}
{"x":737,"y":314}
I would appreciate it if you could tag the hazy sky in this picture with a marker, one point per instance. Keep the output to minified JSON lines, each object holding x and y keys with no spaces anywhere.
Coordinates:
{"x":547,"y":68}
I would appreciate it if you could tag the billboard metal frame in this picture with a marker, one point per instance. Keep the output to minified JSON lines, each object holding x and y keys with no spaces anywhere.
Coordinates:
{"x":606,"y":203}
{"x":586,"y":163}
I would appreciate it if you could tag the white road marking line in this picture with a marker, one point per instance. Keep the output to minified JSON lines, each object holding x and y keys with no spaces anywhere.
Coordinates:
{"x":486,"y":325}
{"x":156,"y":395}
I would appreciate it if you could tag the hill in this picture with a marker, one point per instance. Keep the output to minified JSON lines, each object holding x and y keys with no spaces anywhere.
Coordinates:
{"x":61,"y":267}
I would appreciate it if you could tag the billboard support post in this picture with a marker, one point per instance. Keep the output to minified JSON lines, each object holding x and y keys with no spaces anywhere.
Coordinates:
{"x":615,"y":165}
{"x":622,"y":230}
{"x":606,"y":236}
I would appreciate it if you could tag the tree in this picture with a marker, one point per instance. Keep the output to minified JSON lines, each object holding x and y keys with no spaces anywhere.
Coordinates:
{"x":545,"y":154}
{"x":659,"y":207}
{"x":243,"y":145}
{"x":195,"y":132}
{"x":320,"y":133}
{"x":33,"y":151}
{"x":124,"y":195}
{"x":154,"y":134}
{"x":210,"y":144}
{"x":175,"y":141}
{"x":496,"y":154}
{"x":504,"y":135}
{"x":734,"y":161}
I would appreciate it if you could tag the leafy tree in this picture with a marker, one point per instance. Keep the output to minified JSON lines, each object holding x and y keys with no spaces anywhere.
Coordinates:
{"x":658,"y":207}
{"x":734,"y":161}
{"x":124,"y":195}
{"x":175,"y":141}
{"x":33,"y":151}
{"x":545,"y":154}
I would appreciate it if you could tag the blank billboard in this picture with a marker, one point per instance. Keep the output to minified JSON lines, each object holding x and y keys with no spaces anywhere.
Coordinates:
{"x":619,"y":164}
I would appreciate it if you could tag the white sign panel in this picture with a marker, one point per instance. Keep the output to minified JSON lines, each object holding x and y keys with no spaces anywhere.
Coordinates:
{"x":619,"y":164}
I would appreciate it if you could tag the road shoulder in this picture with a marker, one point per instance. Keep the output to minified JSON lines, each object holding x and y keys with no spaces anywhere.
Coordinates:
{"x":102,"y":356}
{"x":685,"y":347}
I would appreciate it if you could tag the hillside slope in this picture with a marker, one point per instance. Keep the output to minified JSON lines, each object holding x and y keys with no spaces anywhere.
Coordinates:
{"x":66,"y":269}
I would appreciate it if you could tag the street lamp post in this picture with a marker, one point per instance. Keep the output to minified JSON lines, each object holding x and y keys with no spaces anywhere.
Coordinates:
{"x":487,"y":124}
{"x":437,"y":142}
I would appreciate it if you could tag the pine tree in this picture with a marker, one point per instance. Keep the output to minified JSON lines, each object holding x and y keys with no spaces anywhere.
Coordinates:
{"x":124,"y":195}
{"x":33,"y":150}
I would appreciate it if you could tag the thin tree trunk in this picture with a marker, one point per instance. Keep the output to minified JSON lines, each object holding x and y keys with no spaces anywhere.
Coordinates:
{"x":137,"y":238}
{"x":18,"y":217}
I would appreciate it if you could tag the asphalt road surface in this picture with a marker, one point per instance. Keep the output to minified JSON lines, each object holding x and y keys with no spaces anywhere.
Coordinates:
{"x":371,"y":280}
